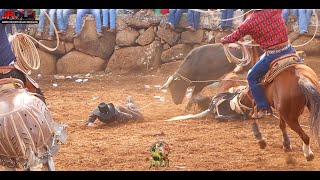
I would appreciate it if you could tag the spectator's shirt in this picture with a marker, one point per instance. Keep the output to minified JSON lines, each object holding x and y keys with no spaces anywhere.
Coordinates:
{"x":266,"y":27}
{"x":6,"y":54}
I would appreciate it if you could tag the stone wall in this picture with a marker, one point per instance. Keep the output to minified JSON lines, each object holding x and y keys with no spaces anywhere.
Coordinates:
{"x":140,"y":45}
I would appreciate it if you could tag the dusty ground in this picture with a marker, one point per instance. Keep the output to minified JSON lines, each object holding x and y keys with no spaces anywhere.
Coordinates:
{"x":205,"y":144}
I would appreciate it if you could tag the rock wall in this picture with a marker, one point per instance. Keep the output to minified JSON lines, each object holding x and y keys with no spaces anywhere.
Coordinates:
{"x":141,"y":44}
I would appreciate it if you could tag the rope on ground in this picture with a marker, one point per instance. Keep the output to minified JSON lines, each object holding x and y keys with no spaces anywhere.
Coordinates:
{"x":27,"y":56}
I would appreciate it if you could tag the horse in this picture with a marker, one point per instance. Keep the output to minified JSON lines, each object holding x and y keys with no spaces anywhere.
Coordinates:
{"x":289,"y":89}
{"x":29,"y":137}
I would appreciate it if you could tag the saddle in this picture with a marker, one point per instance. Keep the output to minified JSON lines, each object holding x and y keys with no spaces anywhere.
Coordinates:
{"x":280,"y":64}
{"x":28,"y":134}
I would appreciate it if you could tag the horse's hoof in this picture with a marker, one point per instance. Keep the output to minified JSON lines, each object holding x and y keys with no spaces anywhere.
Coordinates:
{"x":310,"y":157}
{"x":287,"y":148}
{"x":262,"y":144}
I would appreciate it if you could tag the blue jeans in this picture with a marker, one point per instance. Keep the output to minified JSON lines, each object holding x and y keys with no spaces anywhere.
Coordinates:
{"x":175,"y":16}
{"x":42,"y":17}
{"x":304,"y":19}
{"x":193,"y":18}
{"x":63,"y":18}
{"x":286,"y":12}
{"x":96,"y":15}
{"x":258,"y":71}
{"x":105,"y":18}
{"x":226,"y":14}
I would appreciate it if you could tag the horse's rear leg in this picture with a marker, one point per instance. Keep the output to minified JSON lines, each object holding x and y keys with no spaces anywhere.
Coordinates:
{"x":258,"y":135}
{"x":295,"y":126}
{"x":285,"y":138}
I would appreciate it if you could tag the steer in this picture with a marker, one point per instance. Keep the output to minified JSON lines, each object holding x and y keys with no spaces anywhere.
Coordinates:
{"x":202,"y":64}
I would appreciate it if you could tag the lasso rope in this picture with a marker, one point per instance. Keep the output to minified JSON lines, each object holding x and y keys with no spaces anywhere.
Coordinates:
{"x":205,"y":81}
{"x":27,"y":56}
{"x":246,"y":58}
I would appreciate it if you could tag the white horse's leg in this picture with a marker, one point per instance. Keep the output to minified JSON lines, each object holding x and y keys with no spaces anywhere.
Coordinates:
{"x":307,"y":152}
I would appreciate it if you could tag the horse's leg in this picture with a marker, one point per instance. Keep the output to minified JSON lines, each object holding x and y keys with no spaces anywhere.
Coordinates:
{"x":257,"y":134}
{"x":285,"y":137}
{"x":295,"y":126}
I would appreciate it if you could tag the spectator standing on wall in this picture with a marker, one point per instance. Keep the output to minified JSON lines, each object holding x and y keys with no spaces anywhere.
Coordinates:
{"x":79,"y":20}
{"x":109,"y":14}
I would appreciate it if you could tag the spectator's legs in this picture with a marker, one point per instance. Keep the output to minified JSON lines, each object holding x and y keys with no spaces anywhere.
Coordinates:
{"x":172,"y":13}
{"x":52,"y":14}
{"x":65,"y":14}
{"x":112,"y":19}
{"x":303,"y":24}
{"x":196,"y":18}
{"x":223,"y":16}
{"x":41,"y":20}
{"x":190,"y":18}
{"x":308,"y":16}
{"x":295,"y":12}
{"x":178,"y":16}
{"x":80,"y":14}
{"x":229,"y":16}
{"x":285,"y":15}
{"x":97,"y":18}
{"x":226,"y":14}
{"x":105,"y":18}
{"x":60,"y":20}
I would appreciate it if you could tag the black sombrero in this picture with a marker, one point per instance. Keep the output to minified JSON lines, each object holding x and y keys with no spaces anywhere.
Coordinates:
{"x":104,"y":110}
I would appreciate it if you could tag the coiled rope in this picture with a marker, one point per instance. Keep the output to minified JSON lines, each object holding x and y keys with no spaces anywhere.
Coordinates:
{"x":246,"y":58}
{"x":27,"y":56}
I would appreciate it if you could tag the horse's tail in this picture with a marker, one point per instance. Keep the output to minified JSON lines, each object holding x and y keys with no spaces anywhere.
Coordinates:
{"x":311,"y":90}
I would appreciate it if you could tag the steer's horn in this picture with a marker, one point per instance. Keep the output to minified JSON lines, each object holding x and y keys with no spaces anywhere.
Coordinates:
{"x":167,"y":83}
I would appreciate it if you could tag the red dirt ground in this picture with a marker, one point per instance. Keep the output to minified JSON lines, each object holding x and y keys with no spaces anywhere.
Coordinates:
{"x":205,"y":144}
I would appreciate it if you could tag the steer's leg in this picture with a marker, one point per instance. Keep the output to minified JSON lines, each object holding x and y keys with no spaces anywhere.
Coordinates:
{"x":196,"y":98}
